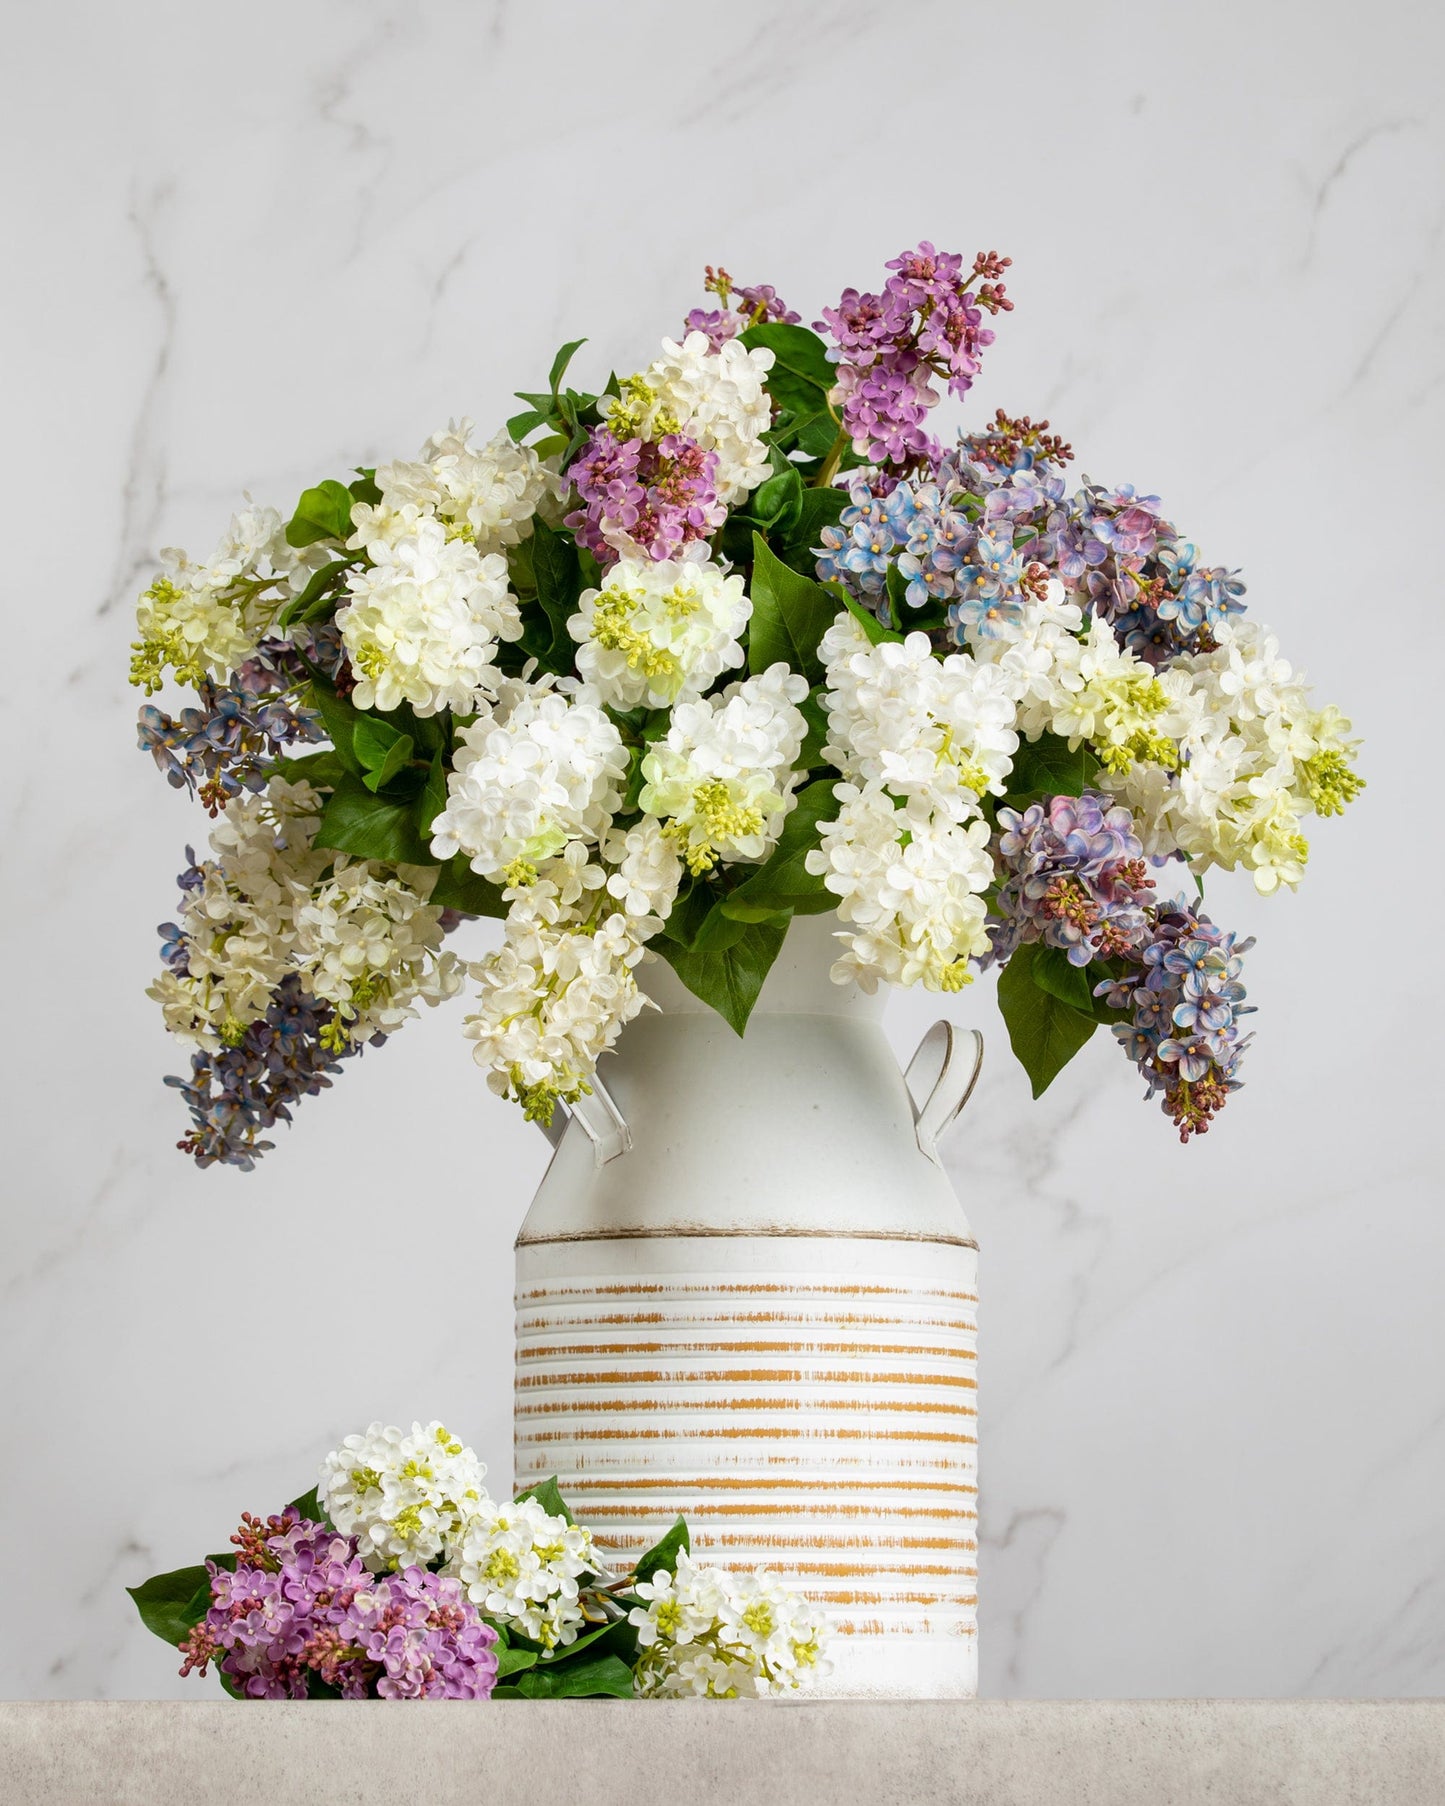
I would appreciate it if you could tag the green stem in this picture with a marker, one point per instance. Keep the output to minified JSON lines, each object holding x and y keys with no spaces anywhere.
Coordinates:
{"x":834,"y":458}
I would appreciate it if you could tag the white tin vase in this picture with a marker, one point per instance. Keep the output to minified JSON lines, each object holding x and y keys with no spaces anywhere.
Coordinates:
{"x":747,"y":1293}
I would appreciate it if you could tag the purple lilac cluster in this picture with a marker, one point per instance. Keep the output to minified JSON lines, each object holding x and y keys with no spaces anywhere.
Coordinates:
{"x":1185,"y":1000}
{"x":1129,"y":565}
{"x":751,"y":305}
{"x":660,"y":495}
{"x":301,"y":1607}
{"x":231,"y":741}
{"x":927,"y":323}
{"x":236,"y":1094}
{"x":1075,"y":879}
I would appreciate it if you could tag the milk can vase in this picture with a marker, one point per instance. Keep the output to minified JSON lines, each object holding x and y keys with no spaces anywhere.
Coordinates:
{"x":747,"y":1293}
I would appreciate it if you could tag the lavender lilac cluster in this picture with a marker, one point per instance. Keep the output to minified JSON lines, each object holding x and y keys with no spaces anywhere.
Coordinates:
{"x":1185,"y":997}
{"x":1075,"y":879}
{"x":301,"y":1607}
{"x":235,"y":1095}
{"x":751,"y":304}
{"x":978,"y":529}
{"x":231,"y":742}
{"x":927,"y":323}
{"x":661,"y":495}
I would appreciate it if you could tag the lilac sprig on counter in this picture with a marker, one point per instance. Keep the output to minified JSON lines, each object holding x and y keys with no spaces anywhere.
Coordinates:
{"x":1185,"y":997}
{"x":301,"y":1606}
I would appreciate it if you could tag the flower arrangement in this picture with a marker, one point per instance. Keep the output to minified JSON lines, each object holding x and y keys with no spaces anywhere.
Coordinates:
{"x":397,"y":1577}
{"x":655,"y":669}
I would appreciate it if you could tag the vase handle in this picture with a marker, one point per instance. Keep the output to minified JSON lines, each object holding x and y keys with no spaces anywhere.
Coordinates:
{"x":602,"y":1122}
{"x":942,"y":1066}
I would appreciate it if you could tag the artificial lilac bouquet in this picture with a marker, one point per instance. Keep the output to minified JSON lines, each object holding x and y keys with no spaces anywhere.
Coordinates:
{"x":654,"y":669}
{"x":398,"y":1577}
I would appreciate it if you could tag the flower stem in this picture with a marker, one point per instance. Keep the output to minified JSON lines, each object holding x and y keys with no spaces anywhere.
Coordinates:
{"x":830,"y":463}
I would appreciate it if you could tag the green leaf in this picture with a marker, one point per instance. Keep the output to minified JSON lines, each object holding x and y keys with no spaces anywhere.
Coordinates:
{"x":783,"y":882}
{"x":521,"y":424}
{"x":872,"y":627}
{"x":309,"y":1506}
{"x":606,"y":1676}
{"x":897,"y":585}
{"x":1052,"y":972}
{"x":339,"y":719}
{"x":1046,"y":767}
{"x":371,"y":827}
{"x":172,"y":1605}
{"x":729,"y":980}
{"x":813,"y":711}
{"x":382,"y":749}
{"x":1043,"y":1031}
{"x":791,"y":614}
{"x":432,"y":797}
{"x":366,"y":488}
{"x":322,"y":513}
{"x":316,"y":598}
{"x":459,"y":887}
{"x":795,"y":349}
{"x":323,"y":769}
{"x":820,"y":508}
{"x":561,"y":361}
{"x":512,"y":1661}
{"x":779,"y":502}
{"x":663,"y":1554}
{"x":547,"y":1495}
{"x":560,"y":577}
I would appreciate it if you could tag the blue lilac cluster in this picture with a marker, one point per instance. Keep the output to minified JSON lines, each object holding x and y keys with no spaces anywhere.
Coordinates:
{"x":299,"y":1607}
{"x":968,"y":538}
{"x":1075,"y":879}
{"x":1130,"y":566}
{"x":980,"y":528}
{"x":230,"y":742}
{"x":235,"y":1095}
{"x":1185,"y":1000}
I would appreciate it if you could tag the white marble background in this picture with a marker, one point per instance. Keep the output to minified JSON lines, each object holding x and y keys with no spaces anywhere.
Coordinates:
{"x":249,"y":247}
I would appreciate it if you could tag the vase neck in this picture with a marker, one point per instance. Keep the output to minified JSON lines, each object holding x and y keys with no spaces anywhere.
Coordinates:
{"x":798,"y":982}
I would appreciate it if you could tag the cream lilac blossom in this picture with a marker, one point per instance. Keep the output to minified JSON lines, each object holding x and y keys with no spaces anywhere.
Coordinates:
{"x":401,"y":1494}
{"x":654,"y":630}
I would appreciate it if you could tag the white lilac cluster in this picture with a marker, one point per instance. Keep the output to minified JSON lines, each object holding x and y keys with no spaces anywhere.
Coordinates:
{"x":1253,"y":757}
{"x":487,"y":494}
{"x":709,"y":1634}
{"x":267,"y":904}
{"x":370,"y":946}
{"x":1219,"y":756}
{"x":557,"y":993}
{"x":722,"y":778}
{"x":236,"y":937}
{"x":658,"y":628}
{"x":919,"y":741}
{"x":201,"y":620}
{"x":541,"y":770}
{"x":519,"y":1562}
{"x":422,"y":620}
{"x":404,"y":1496}
{"x":715,"y":398}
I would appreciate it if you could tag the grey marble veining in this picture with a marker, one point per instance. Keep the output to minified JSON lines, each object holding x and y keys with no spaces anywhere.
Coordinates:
{"x":248,"y":252}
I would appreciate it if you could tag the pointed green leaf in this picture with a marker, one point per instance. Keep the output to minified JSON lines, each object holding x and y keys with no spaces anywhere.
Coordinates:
{"x":1044,"y":1032}
{"x":561,"y":361}
{"x":1073,"y":985}
{"x":322,"y":513}
{"x":729,"y":980}
{"x":795,"y":349}
{"x":663,"y":1553}
{"x":783,"y":881}
{"x":521,"y":424}
{"x":318,"y":597}
{"x":459,"y":887}
{"x":791,"y":613}
{"x":371,"y":827}
{"x":1049,"y":767}
{"x":309,"y":1506}
{"x":547,"y":1495}
{"x":172,"y":1605}
{"x":606,"y":1676}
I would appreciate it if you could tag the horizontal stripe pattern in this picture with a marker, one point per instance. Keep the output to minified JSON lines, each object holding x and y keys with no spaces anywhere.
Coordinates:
{"x":825,"y":1427}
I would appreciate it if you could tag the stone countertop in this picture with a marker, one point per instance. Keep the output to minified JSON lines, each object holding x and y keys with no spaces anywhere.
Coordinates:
{"x":988,"y":1753}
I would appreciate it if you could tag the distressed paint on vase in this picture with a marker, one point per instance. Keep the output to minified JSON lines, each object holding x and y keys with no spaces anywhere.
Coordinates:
{"x":747,"y":1293}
